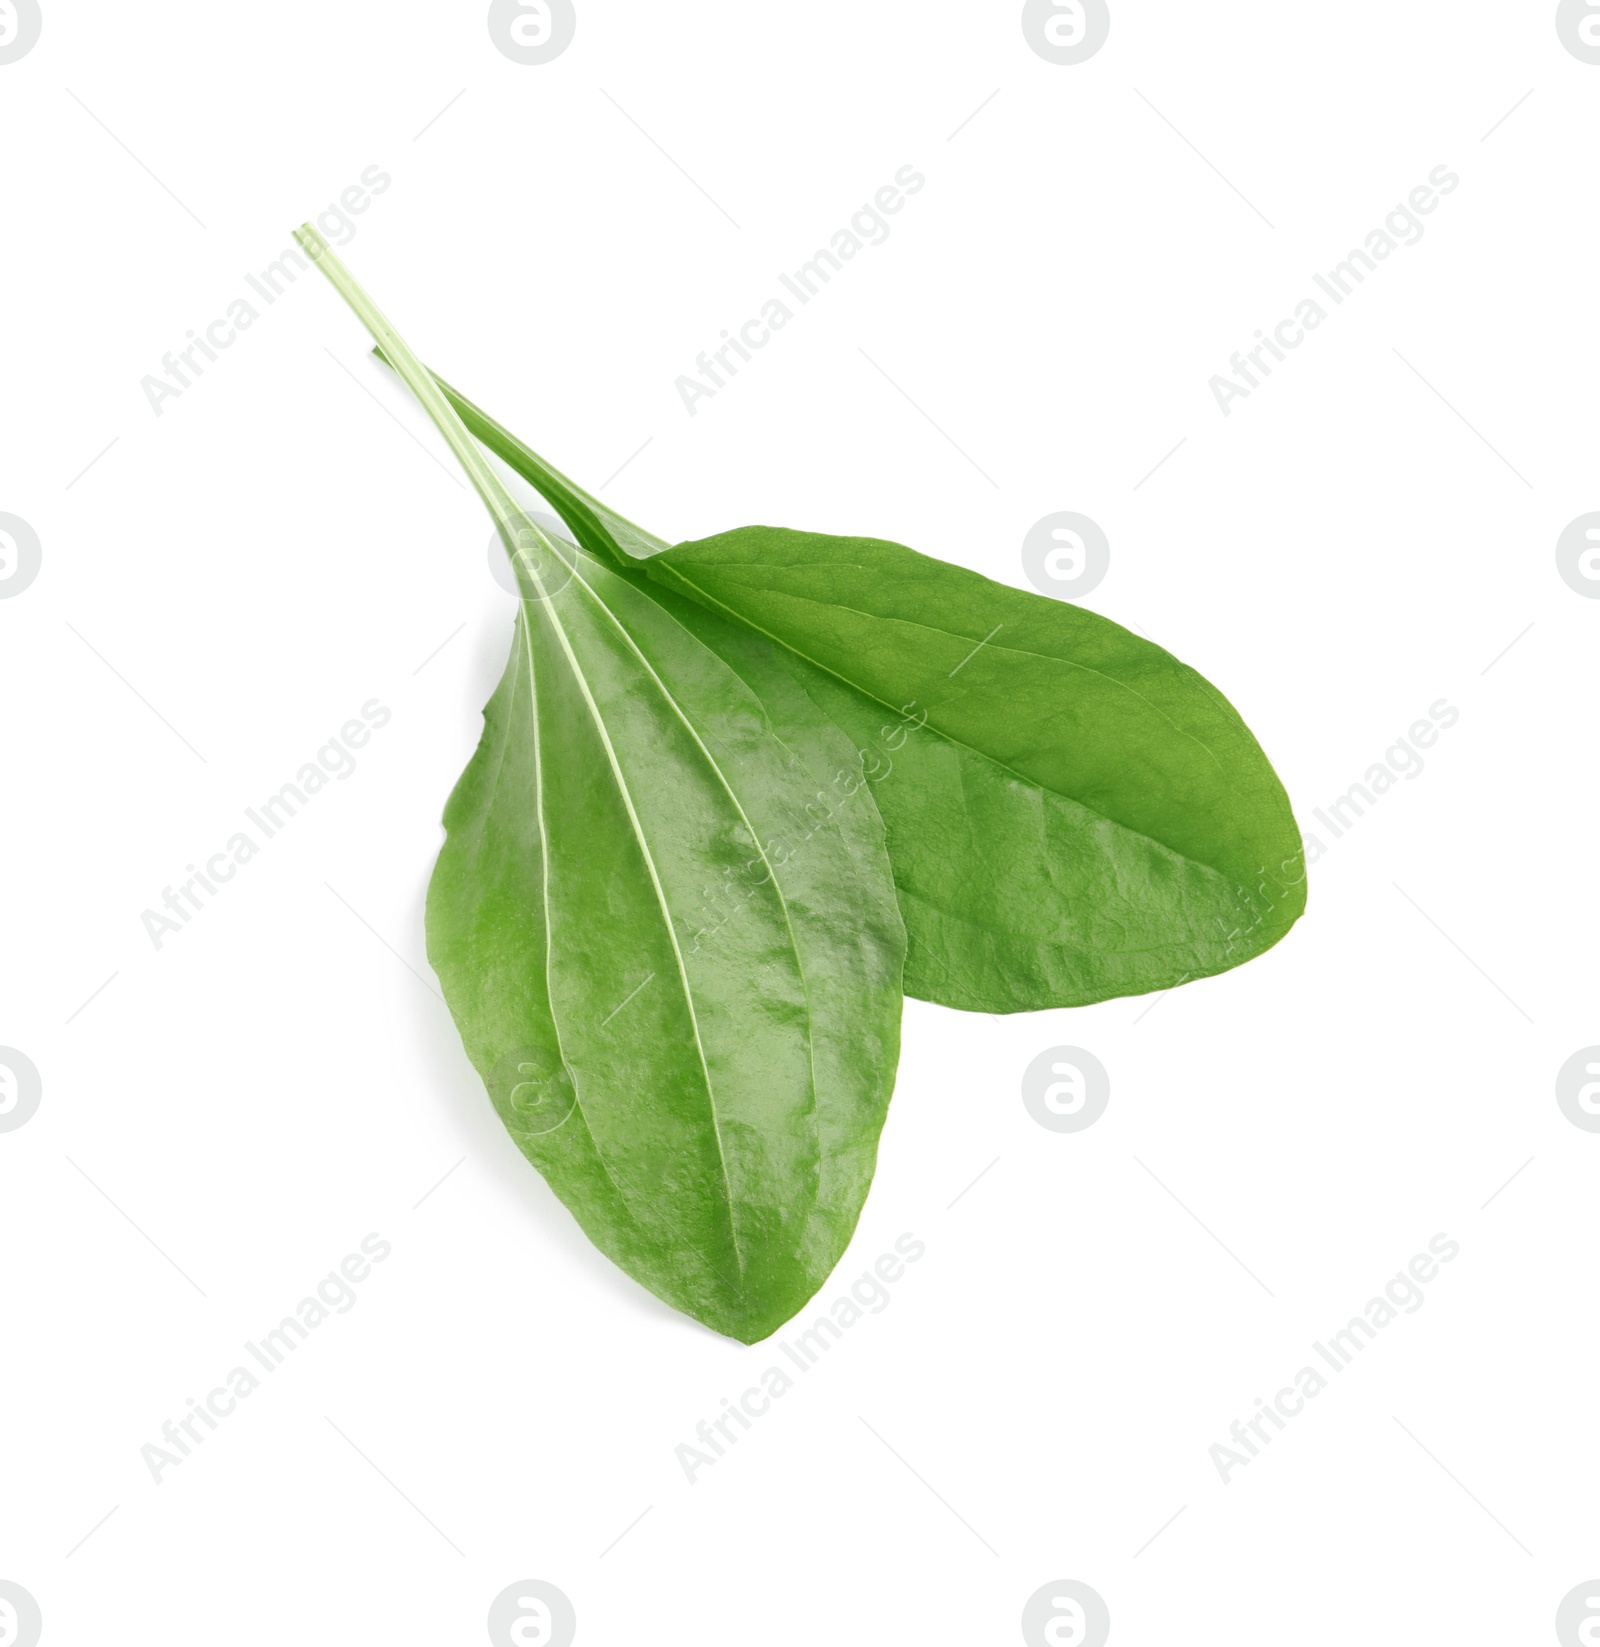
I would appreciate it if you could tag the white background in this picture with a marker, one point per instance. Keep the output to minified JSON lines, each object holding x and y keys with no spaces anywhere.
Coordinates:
{"x":231,"y":580}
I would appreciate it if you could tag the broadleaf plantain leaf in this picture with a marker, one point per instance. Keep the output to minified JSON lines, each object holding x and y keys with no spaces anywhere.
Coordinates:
{"x":671,"y":944}
{"x":665,"y":923}
{"x":1072,"y":813}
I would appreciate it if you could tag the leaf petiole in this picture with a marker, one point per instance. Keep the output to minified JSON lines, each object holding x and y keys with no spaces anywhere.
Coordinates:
{"x":518,"y":532}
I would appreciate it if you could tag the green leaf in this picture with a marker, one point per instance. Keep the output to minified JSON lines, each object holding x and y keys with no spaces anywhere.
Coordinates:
{"x":665,"y":923}
{"x":671,"y":944}
{"x":1072,"y":813}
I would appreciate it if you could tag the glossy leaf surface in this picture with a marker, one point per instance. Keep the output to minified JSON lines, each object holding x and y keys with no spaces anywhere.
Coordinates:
{"x":671,"y":944}
{"x":666,"y":925}
{"x":1072,"y":813}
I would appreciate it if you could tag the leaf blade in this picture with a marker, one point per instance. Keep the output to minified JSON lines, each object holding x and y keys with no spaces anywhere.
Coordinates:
{"x":793,"y":1171}
{"x":712,"y":1124}
{"x":1096,"y":896}
{"x":1134,"y":759}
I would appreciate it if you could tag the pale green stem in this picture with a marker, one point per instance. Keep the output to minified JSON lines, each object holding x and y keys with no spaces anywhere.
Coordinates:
{"x":516,"y":530}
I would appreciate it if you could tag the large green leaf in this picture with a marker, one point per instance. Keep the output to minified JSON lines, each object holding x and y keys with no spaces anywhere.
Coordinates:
{"x":665,"y":923}
{"x":671,"y":945}
{"x":1072,"y":813}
